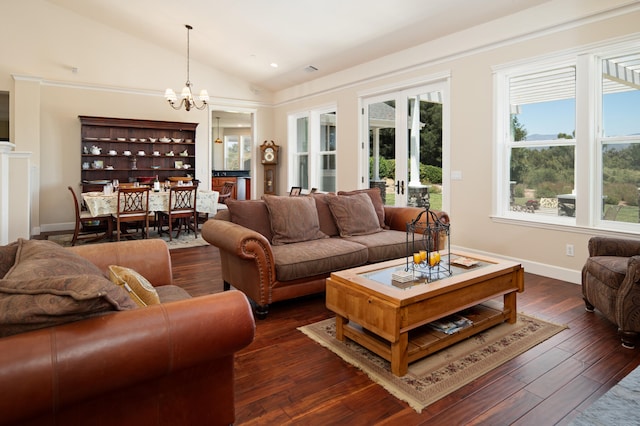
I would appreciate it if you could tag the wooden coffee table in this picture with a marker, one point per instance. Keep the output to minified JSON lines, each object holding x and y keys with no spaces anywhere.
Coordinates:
{"x":391,"y":321}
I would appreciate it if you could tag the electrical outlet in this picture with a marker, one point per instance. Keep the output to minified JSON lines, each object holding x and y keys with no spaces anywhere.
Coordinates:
{"x":570,"y":250}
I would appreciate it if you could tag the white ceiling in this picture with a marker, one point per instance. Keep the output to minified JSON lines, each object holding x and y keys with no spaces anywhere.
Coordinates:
{"x":242,"y":37}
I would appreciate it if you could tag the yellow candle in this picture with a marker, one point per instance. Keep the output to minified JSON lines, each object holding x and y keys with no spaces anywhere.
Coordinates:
{"x":423,"y":255}
{"x":434,"y":258}
{"x":416,"y":258}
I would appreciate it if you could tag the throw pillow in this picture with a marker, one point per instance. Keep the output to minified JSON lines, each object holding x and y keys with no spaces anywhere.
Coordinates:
{"x":252,"y":214}
{"x":138,"y":287}
{"x":376,"y":199}
{"x":42,"y":258}
{"x":293,"y":219}
{"x":47,"y":301}
{"x":7,"y":257}
{"x":327,"y":223}
{"x":354,"y":214}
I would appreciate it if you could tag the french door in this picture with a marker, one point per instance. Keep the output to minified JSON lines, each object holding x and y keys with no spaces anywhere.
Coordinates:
{"x":405,"y":132}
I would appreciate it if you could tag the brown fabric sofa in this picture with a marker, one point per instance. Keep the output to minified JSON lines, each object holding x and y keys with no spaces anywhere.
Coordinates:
{"x":611,"y":284}
{"x":268,"y":273}
{"x":166,"y":364}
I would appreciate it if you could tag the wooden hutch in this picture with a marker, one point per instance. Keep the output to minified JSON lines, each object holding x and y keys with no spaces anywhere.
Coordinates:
{"x":131,"y":150}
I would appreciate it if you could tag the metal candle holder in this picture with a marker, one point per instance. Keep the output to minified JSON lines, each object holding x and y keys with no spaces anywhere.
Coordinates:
{"x":428,"y":246}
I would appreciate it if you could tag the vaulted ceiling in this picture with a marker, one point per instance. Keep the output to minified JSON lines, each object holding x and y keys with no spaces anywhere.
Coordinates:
{"x":243,"y":37}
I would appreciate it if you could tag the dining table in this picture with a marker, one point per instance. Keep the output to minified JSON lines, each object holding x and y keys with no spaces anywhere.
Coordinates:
{"x":100,"y":203}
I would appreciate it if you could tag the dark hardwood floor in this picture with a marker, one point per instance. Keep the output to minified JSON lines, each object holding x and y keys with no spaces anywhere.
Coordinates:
{"x":284,"y":377}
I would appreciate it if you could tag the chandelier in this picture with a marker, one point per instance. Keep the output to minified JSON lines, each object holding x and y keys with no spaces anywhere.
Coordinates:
{"x":186,"y":96}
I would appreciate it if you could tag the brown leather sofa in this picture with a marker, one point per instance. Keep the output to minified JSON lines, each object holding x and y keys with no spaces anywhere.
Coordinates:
{"x":263,"y":271}
{"x":167,"y":364}
{"x":611,"y":284}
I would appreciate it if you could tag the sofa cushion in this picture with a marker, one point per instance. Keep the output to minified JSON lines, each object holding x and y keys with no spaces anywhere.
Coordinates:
{"x":42,"y":258}
{"x":354,"y":214}
{"x":29,"y":304}
{"x":252,"y":214}
{"x":306,"y":259}
{"x":327,"y":222}
{"x":385,"y":245}
{"x":138,"y":287}
{"x":376,"y":199}
{"x":7,"y":257}
{"x":293,"y":219}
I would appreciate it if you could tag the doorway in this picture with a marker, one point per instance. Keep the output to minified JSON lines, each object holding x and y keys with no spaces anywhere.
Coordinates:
{"x":232,"y":149}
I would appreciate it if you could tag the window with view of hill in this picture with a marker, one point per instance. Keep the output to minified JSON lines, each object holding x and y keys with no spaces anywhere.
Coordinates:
{"x":569,"y":139}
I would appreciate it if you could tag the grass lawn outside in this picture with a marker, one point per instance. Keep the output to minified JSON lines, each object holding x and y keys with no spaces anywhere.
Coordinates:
{"x":627,"y":214}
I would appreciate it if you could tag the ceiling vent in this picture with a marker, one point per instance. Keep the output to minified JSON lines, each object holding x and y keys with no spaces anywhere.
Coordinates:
{"x":310,"y":68}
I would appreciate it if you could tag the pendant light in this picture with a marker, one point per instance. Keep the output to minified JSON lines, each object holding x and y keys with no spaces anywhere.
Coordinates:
{"x":218,"y":140}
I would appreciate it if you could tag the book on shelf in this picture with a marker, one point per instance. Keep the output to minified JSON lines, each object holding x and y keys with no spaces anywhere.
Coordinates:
{"x":451,"y":324}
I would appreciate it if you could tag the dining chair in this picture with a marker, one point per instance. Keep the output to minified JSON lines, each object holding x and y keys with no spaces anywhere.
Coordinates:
{"x":182,"y":211}
{"x":88,"y":228}
{"x":133,"y":207}
{"x":225,"y":192}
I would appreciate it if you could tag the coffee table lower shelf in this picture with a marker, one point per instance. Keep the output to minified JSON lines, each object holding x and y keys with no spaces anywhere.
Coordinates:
{"x":424,"y":341}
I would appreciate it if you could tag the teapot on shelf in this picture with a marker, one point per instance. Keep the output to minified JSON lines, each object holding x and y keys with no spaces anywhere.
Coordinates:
{"x":96,"y":150}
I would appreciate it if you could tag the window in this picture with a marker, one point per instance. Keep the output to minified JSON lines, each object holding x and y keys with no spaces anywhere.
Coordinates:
{"x":237,"y":152}
{"x":313,"y":161}
{"x":569,"y":139}
{"x":619,"y":140}
{"x":541,"y":146}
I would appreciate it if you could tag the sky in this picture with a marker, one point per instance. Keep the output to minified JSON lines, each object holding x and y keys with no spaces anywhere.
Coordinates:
{"x":621,"y":115}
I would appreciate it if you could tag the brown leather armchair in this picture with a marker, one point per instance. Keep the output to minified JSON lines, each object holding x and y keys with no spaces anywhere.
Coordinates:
{"x":611,"y":284}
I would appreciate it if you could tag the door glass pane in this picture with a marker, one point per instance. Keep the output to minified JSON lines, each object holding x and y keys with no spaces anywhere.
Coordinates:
{"x":382,"y":148}
{"x":425,"y":150}
{"x":621,"y":138}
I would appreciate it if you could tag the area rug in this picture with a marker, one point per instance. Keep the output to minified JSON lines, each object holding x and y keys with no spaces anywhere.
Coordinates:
{"x":184,"y":241}
{"x":619,"y":406}
{"x":439,"y":374}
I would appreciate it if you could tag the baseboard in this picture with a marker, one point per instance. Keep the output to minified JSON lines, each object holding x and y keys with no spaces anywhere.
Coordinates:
{"x":55,"y":227}
{"x":537,"y":268}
